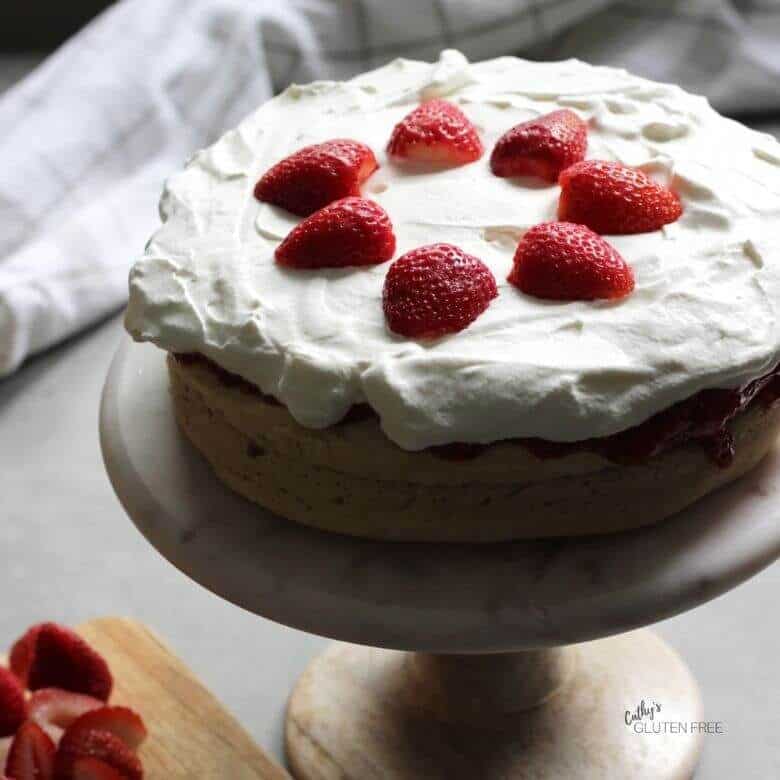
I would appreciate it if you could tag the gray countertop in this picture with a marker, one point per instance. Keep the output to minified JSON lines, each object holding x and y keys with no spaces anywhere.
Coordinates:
{"x":71,"y":554}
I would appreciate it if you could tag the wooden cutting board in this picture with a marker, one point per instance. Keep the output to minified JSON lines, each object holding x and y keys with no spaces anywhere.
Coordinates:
{"x":191,"y":735}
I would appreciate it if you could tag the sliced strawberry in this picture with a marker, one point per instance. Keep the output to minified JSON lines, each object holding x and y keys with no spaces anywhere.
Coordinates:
{"x":13,"y":707}
{"x":610,"y":197}
{"x":32,"y":754}
{"x":541,"y":147}
{"x":436,"y":132}
{"x":52,"y":707}
{"x":351,"y":231}
{"x":103,"y":746}
{"x":21,"y":655}
{"x":566,"y":262}
{"x":122,"y":722}
{"x":62,"y":659}
{"x":5,"y":746}
{"x":317,"y":175}
{"x":436,"y":289}
{"x":93,"y":769}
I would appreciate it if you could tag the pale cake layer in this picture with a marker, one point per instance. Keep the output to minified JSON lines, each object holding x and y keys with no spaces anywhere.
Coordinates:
{"x":351,"y":479}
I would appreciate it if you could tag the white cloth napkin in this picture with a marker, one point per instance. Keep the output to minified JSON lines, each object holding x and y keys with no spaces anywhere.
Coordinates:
{"x":87,"y":139}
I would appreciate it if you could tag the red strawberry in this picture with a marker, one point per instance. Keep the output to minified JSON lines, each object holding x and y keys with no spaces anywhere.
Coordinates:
{"x":93,"y":769}
{"x":32,"y":754}
{"x":436,"y":289}
{"x":62,"y":659}
{"x":610,"y":197}
{"x":52,"y":707}
{"x":122,"y":722}
{"x":437,"y":132}
{"x":351,"y":231}
{"x":101,"y":745}
{"x":13,"y":707}
{"x":317,"y":175}
{"x":5,"y":746}
{"x":566,"y":262}
{"x":541,"y":147}
{"x":21,"y":654}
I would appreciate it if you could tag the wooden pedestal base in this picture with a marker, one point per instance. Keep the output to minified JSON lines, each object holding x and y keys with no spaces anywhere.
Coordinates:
{"x":584,"y":712}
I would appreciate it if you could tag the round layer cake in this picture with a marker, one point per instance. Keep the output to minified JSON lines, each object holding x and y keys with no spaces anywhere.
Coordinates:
{"x":540,"y":417}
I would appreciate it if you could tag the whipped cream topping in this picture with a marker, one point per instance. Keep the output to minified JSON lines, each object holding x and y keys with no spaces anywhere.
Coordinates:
{"x":704,"y":312}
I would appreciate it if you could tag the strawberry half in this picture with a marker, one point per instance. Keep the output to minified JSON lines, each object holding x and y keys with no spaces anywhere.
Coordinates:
{"x":610,"y":197}
{"x":351,"y":231}
{"x":541,"y":147}
{"x":122,"y":722}
{"x":21,"y":655}
{"x":100,"y":745}
{"x":317,"y":175}
{"x":62,"y":659}
{"x":52,"y":708}
{"x":5,"y":746}
{"x":435,"y":290}
{"x":566,"y":262}
{"x":13,"y":707}
{"x":93,"y":769}
{"x":436,"y":132}
{"x":32,"y":754}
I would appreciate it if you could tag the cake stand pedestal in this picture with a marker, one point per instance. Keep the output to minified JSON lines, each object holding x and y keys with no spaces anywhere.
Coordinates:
{"x":492,"y":662}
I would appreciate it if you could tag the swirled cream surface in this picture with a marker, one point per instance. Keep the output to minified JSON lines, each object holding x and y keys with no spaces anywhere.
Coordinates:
{"x":705,"y":311}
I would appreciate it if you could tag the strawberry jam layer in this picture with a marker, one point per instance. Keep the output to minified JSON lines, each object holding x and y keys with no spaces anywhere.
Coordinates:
{"x":703,"y":419}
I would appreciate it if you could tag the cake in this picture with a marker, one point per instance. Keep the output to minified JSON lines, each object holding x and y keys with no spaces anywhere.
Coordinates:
{"x":473,"y":302}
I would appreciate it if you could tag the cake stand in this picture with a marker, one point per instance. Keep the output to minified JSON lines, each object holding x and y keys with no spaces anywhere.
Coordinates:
{"x":464,"y":661}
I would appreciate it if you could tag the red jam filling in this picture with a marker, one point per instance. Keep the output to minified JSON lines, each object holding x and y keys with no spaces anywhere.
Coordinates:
{"x":701,"y":419}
